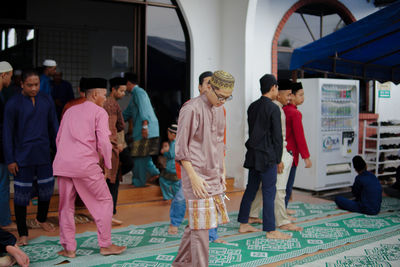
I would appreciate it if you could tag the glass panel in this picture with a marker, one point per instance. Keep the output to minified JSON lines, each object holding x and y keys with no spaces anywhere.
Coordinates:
{"x":164,"y":23}
{"x":338,"y":107}
{"x":3,"y":40}
{"x":30,"y":35}
{"x":12,"y":38}
{"x":161,"y":1}
{"x":295,"y":33}
{"x":166,"y":64}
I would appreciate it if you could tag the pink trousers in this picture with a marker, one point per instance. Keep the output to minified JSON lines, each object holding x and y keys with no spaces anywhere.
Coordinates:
{"x":95,"y":194}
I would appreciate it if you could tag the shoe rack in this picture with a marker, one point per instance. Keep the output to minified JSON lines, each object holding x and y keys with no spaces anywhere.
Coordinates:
{"x":381,"y":150}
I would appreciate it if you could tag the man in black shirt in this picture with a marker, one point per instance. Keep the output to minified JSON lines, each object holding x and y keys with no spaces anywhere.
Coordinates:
{"x":264,"y":153}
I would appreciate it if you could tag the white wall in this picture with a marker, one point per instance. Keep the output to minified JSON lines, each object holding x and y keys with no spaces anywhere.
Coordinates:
{"x":217,"y":30}
{"x":204,"y":25}
{"x":233,"y":60}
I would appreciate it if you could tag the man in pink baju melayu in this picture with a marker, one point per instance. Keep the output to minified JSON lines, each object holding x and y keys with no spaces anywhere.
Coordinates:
{"x":82,"y":137}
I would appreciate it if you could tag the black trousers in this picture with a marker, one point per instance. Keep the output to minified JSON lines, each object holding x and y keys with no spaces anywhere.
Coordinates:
{"x":114,"y":192}
{"x":126,"y":165}
{"x":20,"y":216}
{"x":126,"y":162}
{"x":6,"y":239}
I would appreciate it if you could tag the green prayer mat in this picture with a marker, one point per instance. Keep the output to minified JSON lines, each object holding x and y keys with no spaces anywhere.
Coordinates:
{"x":307,"y":211}
{"x":382,"y":250}
{"x":251,"y":249}
{"x":138,"y":238}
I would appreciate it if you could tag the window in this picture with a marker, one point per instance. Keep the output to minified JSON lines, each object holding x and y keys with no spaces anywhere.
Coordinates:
{"x":3,"y":40}
{"x":30,"y":35}
{"x":309,"y":23}
{"x":167,"y":66}
{"x":11,"y":38}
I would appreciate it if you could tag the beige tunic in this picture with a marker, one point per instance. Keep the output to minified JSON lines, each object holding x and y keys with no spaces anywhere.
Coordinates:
{"x":200,"y":140}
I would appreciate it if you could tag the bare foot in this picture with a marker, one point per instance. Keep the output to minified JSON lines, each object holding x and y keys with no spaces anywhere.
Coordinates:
{"x":20,"y":256}
{"x":255,"y":220}
{"x":67,"y":253}
{"x":172,"y":230}
{"x":11,"y":227}
{"x":292,"y":218}
{"x":48,"y":227}
{"x":291,"y":227}
{"x":220,"y":241}
{"x":290,"y":212}
{"x":116,"y":222}
{"x":246,"y":228}
{"x":277,"y":235}
{"x":112,"y":250}
{"x":22,"y":241}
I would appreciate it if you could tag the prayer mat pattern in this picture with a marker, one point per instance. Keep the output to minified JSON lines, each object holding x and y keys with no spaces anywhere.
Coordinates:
{"x":382,"y":250}
{"x":307,"y":211}
{"x":136,"y":238}
{"x":251,"y":249}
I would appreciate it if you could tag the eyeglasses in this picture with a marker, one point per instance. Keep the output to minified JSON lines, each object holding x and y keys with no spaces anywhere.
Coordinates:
{"x":220,"y":97}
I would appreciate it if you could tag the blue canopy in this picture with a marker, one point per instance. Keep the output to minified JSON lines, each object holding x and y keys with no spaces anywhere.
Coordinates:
{"x":366,"y":49}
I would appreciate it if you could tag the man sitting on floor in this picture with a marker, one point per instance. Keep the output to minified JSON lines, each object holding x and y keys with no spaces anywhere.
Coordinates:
{"x":366,"y":189}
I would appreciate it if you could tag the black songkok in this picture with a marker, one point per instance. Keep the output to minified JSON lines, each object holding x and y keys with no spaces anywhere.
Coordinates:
{"x":296,"y":87}
{"x":131,"y":77}
{"x":93,"y":83}
{"x":359,"y":164}
{"x":83,"y":84}
{"x":117,"y":81}
{"x":267,"y":81}
{"x":284,"y":84}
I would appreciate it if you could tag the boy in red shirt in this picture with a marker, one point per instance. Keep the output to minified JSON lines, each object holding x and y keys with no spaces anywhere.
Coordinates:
{"x":296,"y":141}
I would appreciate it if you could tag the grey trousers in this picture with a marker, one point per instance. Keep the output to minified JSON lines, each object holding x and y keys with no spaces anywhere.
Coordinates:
{"x":193,"y":250}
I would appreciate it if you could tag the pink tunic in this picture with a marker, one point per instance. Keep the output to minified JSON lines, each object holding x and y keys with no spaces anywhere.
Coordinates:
{"x":83,"y":135}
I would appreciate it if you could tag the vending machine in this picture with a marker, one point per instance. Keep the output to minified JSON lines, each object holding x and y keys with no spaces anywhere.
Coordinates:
{"x":330,"y":121}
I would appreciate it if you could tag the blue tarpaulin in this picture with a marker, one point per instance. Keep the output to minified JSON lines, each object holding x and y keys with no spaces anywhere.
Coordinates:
{"x":366,"y":49}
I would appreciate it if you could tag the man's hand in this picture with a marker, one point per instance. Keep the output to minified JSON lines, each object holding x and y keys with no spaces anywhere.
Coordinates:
{"x":199,"y":186}
{"x":281,"y":167}
{"x":120,"y":148}
{"x":145,"y":133}
{"x":13,"y":168}
{"x":165,"y":147}
{"x":308,"y":163}
{"x":224,"y":181}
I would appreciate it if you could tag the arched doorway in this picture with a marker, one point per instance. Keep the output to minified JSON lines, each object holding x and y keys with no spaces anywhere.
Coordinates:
{"x":305,"y":22}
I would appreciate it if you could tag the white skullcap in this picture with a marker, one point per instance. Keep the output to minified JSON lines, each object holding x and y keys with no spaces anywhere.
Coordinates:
{"x":49,"y":63}
{"x":5,"y":67}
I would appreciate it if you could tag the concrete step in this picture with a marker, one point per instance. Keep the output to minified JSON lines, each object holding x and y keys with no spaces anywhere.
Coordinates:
{"x":128,"y":194}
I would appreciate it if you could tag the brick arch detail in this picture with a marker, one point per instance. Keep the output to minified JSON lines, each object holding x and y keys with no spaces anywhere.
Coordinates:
{"x":342,"y":10}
